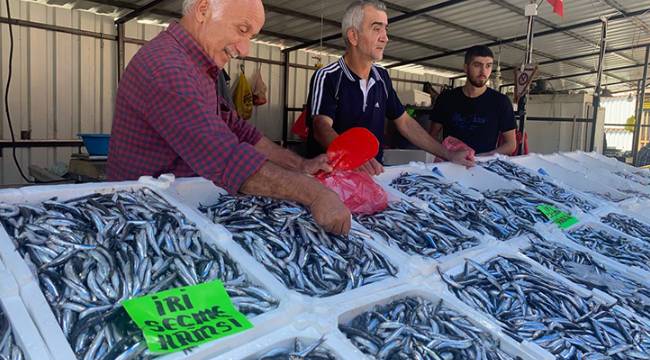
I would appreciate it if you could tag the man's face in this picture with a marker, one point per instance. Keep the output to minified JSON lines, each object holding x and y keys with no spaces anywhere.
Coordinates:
{"x":478,"y":70}
{"x":226,"y":33}
{"x":373,"y":37}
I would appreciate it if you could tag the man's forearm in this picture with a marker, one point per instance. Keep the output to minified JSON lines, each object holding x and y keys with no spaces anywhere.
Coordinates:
{"x":279,"y":155}
{"x":505,"y":149}
{"x":323,"y":132}
{"x":274,"y":181}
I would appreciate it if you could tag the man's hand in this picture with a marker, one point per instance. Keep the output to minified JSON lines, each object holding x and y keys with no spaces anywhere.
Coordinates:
{"x":461,"y":157}
{"x":372,"y":167}
{"x":312,"y":166}
{"x":330,"y":213}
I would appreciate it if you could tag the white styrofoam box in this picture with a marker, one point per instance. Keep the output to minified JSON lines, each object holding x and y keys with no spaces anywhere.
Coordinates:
{"x":645,"y":173}
{"x":432,"y":291}
{"x":414,"y":97}
{"x":25,"y":334}
{"x":186,"y":192}
{"x":285,"y":337}
{"x":640,"y":209}
{"x":404,"y":156}
{"x":634,"y":271}
{"x":506,"y":250}
{"x":628,"y":214}
{"x":595,"y":201}
{"x":449,"y":173}
{"x":608,"y":264}
{"x":571,"y":178}
{"x":597,"y":174}
{"x":593,"y":163}
{"x":476,"y":178}
{"x":45,"y":320}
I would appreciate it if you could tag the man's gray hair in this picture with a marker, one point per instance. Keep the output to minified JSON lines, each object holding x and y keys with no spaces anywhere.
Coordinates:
{"x":187,"y":5}
{"x":353,"y":16}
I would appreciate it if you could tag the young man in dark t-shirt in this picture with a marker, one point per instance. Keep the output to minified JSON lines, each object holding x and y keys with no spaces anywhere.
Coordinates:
{"x":474,"y":113}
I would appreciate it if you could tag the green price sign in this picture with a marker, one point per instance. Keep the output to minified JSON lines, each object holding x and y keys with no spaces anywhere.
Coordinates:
{"x":177,"y":319}
{"x":562,"y":219}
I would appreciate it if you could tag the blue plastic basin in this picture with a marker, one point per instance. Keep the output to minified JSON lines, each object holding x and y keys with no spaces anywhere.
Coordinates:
{"x":96,"y":144}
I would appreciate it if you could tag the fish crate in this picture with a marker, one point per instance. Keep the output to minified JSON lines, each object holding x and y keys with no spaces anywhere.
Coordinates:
{"x":638,"y":227}
{"x":571,"y":178}
{"x":44,"y":317}
{"x":599,"y":174}
{"x":628,"y":173}
{"x":631,"y":245}
{"x":592,"y":271}
{"x":545,"y":187}
{"x":638,"y":208}
{"x":24,"y":332}
{"x":210,"y":193}
{"x":285,"y":339}
{"x":489,"y":220}
{"x":434,"y":294}
{"x":422,"y":263}
{"x":532,"y":280}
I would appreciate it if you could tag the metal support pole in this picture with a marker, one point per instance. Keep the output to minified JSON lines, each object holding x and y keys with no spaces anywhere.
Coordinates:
{"x":599,"y":76}
{"x":521,"y":105}
{"x":121,"y":57}
{"x":639,"y":112}
{"x":285,"y":115}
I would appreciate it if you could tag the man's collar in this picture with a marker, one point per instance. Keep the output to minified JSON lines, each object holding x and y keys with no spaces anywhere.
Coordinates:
{"x":354,"y":77}
{"x":194,"y":50}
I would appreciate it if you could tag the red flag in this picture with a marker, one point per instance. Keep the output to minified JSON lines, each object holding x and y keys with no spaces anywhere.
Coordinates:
{"x":558,"y":6}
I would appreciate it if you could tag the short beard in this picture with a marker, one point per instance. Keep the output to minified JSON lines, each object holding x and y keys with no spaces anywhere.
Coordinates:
{"x":476,"y":83}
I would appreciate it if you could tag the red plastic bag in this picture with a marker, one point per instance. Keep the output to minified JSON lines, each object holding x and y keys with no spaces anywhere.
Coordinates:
{"x":452,"y":144}
{"x":299,"y":127}
{"x":357,"y":190}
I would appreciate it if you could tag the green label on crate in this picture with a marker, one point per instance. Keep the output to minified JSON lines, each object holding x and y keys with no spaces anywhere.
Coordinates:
{"x":562,"y":219}
{"x":177,"y":319}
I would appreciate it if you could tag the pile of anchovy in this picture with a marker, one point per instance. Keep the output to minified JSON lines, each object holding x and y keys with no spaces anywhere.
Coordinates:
{"x":638,"y":178}
{"x":416,"y":231}
{"x":538,"y":184}
{"x":312,"y":351}
{"x":580,"y":267}
{"x":617,"y":247}
{"x":415,"y":328}
{"x":628,"y":226}
{"x":284,"y":237}
{"x":9,"y":350}
{"x":92,"y":253}
{"x":534,"y":307}
{"x":479,"y":215}
{"x":520,"y":202}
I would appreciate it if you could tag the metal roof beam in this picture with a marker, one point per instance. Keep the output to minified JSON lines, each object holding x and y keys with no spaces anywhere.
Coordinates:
{"x":390,"y":21}
{"x":297,"y":14}
{"x":139,"y":11}
{"x":523,"y":37}
{"x":559,"y":77}
{"x":515,"y":9}
{"x":618,"y":7}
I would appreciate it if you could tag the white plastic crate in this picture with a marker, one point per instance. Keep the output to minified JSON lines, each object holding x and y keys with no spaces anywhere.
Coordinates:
{"x":432,"y":291}
{"x":186,"y":191}
{"x":285,"y":337}
{"x":610,"y":265}
{"x":23,"y":329}
{"x":45,"y":320}
{"x":571,"y":178}
{"x":592,"y":162}
{"x":598,"y":174}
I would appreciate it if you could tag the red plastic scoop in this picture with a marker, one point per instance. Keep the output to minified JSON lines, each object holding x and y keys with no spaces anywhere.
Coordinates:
{"x":353,"y":148}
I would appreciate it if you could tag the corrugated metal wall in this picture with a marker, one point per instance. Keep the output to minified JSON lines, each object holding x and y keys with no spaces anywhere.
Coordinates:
{"x":65,"y":84}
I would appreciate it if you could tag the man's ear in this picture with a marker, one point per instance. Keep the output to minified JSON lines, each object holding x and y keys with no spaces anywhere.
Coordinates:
{"x":202,"y":10}
{"x":353,"y":36}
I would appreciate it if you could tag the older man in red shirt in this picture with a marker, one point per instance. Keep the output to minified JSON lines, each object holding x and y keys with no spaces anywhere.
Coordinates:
{"x":169,"y":117}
